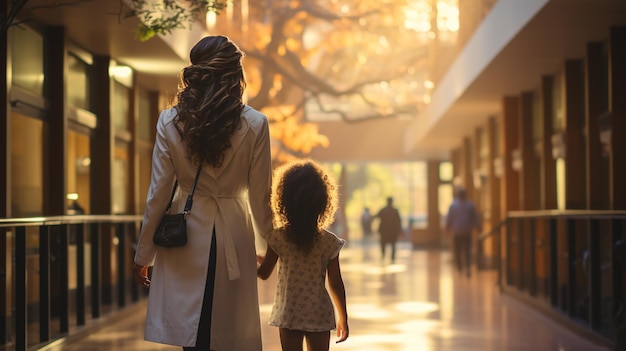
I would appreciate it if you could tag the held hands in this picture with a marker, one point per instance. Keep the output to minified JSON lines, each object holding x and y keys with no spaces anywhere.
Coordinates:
{"x":342,"y":331}
{"x":140,"y":273}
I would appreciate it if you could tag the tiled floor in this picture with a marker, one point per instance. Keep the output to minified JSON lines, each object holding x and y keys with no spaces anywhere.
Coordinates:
{"x":417,"y":304}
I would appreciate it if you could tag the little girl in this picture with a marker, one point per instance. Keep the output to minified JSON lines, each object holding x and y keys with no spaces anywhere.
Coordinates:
{"x":304,"y":201}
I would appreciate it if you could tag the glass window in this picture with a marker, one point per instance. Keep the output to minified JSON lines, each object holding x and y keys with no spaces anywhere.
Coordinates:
{"x":120,"y":106}
{"x":144,"y":124}
{"x":120,"y":180}
{"x":145,"y":164}
{"x":560,"y":183}
{"x":78,"y":173}
{"x":26,"y":166}
{"x":446,"y":171}
{"x":369,"y":184}
{"x":27,"y":59}
{"x":77,"y":82}
{"x":446,"y":195}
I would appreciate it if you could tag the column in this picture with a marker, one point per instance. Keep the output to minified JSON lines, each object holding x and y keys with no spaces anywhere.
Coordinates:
{"x":547,"y":177}
{"x":617,"y":106}
{"x":55,"y":202}
{"x":509,"y":200}
{"x":434,"y":218}
{"x":102,"y":145}
{"x":528,"y":187}
{"x":493,"y":184}
{"x":102,"y":140}
{"x":575,"y":182}
{"x":596,"y":106}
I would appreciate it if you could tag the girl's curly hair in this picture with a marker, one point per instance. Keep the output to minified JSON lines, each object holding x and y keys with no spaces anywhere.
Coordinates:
{"x":209,"y":99}
{"x":304,"y":201}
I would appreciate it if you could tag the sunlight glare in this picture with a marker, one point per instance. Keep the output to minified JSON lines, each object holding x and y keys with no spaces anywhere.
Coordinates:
{"x":417,"y":16}
{"x":416,"y":307}
{"x":447,"y":16}
{"x":368,"y":312}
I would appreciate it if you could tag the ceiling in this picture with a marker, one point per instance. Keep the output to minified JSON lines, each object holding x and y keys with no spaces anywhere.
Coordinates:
{"x":99,"y":27}
{"x":558,"y":31}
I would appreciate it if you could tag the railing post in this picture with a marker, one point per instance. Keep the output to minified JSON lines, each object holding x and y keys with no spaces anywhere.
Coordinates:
{"x":64,"y":293}
{"x":121,"y":264}
{"x":532,"y":274}
{"x":618,"y":290}
{"x":553,"y":243}
{"x":134,"y":287}
{"x":498,"y":254}
{"x":479,"y":255}
{"x":507,"y":246}
{"x":80,"y":273}
{"x":96,"y":275}
{"x":21,"y":326}
{"x":521,"y":284}
{"x":571,"y":267}
{"x":594,"y":283}
{"x":44,"y":283}
{"x":5,"y":282}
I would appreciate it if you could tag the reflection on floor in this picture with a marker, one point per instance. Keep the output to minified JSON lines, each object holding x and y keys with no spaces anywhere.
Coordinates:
{"x":417,"y":303}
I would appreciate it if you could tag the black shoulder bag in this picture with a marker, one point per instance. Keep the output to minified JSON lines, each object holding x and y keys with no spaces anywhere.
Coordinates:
{"x":172,"y":231}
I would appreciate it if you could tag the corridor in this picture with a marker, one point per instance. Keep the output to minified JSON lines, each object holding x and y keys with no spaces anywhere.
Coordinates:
{"x":417,"y":304}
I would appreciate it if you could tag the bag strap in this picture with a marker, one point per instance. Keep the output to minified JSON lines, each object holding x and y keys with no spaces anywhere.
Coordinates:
{"x":189,"y":202}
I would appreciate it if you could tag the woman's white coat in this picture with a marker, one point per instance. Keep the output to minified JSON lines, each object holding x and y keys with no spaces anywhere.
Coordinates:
{"x":233,"y":199}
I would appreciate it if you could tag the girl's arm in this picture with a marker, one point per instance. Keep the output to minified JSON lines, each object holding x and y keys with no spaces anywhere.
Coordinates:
{"x":338,"y":293}
{"x":267,"y":264}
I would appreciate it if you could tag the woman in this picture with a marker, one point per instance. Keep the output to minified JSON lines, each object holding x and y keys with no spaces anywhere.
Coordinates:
{"x":203,"y":296}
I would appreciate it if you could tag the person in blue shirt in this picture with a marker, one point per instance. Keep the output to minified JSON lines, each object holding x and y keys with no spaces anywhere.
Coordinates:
{"x":461,"y":221}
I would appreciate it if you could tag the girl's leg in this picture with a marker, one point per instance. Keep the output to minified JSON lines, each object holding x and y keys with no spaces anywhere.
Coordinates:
{"x":317,"y":341}
{"x":291,"y":340}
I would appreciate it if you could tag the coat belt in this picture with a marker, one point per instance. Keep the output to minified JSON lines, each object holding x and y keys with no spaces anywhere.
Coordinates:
{"x":232,"y":263}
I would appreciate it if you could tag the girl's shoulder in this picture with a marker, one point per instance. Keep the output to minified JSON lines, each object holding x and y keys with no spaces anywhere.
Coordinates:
{"x":331,"y":244}
{"x":276,"y":236}
{"x":331,"y":237}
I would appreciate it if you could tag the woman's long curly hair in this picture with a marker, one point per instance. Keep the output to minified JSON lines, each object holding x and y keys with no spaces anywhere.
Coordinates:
{"x":304,"y":201}
{"x":209,"y":99}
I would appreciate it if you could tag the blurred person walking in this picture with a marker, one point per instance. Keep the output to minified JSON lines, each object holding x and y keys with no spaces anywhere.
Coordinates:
{"x":462,"y":219}
{"x":390,"y":228}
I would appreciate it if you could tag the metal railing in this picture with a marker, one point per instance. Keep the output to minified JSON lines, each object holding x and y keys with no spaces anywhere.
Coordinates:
{"x":60,"y":273}
{"x":566,"y":263}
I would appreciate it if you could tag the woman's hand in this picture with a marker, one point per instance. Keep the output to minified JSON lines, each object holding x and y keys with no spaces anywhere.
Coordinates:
{"x":140,"y":273}
{"x":342,"y":331}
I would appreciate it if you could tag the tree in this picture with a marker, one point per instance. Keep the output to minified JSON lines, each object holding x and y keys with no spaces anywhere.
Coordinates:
{"x":308,"y":60}
{"x":157,"y":17}
{"x":350,"y":60}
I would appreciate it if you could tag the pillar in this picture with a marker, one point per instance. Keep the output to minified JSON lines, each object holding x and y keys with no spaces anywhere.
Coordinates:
{"x":55,"y":202}
{"x":547,"y":199}
{"x":575,"y":182}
